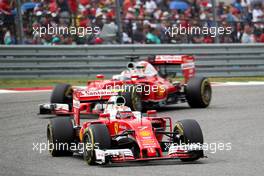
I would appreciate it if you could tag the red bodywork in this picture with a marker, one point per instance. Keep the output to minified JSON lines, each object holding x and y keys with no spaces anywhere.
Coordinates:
{"x":159,"y":87}
{"x":143,"y":132}
{"x":147,"y":132}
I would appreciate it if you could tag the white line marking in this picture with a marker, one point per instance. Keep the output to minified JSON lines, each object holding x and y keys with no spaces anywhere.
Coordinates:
{"x":2,"y":91}
{"x":7,"y":91}
{"x":250,"y":83}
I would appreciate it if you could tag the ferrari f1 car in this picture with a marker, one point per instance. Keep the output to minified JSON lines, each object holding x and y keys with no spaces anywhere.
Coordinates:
{"x":122,"y":135}
{"x":144,"y":85}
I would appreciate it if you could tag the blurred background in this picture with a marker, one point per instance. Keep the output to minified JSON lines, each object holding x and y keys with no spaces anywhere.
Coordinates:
{"x":130,"y":21}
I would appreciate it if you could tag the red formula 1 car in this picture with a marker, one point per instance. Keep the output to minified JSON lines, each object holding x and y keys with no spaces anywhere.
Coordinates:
{"x":144,"y":84}
{"x":121,"y":135}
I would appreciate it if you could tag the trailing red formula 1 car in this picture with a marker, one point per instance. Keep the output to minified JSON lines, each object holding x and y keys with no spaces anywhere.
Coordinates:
{"x":121,"y":135}
{"x":144,"y":84}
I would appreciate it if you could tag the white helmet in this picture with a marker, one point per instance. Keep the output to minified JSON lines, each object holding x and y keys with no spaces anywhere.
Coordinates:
{"x":117,"y":100}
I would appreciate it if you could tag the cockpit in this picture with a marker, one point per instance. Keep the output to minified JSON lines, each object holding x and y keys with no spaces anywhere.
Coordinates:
{"x":117,"y":109}
{"x":136,"y":69}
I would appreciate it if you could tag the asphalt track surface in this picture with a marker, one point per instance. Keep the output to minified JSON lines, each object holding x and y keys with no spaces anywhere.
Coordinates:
{"x":236,"y":115}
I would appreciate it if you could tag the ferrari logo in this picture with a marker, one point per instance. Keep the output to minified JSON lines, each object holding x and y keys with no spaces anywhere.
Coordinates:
{"x":116,"y":127}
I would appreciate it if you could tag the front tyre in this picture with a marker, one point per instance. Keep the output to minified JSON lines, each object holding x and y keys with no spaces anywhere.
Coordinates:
{"x":188,"y":131}
{"x":96,"y":137}
{"x":62,"y":93}
{"x":198,"y":92}
{"x":60,"y":135}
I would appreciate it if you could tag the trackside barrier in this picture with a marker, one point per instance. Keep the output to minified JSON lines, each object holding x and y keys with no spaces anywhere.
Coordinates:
{"x":212,"y":60}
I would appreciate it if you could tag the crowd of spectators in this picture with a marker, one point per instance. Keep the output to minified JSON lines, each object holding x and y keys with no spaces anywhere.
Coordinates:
{"x":143,"y":21}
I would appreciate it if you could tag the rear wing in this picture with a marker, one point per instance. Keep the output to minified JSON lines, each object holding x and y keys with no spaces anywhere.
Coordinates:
{"x":186,"y":63}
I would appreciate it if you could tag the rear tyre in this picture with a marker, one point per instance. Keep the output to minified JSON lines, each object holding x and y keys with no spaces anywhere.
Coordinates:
{"x":96,"y":137}
{"x":60,"y":135}
{"x":133,"y":98}
{"x":62,"y":93}
{"x":189,"y":132}
{"x":198,"y":92}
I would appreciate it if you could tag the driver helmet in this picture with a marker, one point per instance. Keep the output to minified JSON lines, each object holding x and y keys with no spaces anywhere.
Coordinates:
{"x":117,"y":100}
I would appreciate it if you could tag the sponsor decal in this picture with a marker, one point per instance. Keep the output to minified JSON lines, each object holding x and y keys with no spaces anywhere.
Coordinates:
{"x":187,"y":65}
{"x":148,"y":142}
{"x":168,"y":58}
{"x":144,"y":133}
{"x":123,"y":127}
{"x":156,"y":121}
{"x":116,"y":127}
{"x":76,"y":103}
{"x":86,"y":93}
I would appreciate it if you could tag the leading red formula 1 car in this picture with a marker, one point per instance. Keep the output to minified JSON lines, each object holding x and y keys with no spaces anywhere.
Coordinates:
{"x":122,"y":135}
{"x":144,"y":85}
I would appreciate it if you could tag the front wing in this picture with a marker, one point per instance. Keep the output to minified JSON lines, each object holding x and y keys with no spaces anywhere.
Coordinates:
{"x":126,"y":155}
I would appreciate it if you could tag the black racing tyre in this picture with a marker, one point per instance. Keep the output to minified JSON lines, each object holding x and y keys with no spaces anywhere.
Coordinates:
{"x":96,"y":137}
{"x":60,"y":135}
{"x":198,"y":92}
{"x":189,"y":132}
{"x":133,"y":98}
{"x":62,"y":93}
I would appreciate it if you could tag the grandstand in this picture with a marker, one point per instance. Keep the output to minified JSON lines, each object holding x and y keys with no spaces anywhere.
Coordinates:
{"x":142,"y":21}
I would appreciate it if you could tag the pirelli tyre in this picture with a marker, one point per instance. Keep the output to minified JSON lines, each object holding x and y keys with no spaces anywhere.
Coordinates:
{"x":60,"y":135}
{"x":198,"y":92}
{"x":133,"y":98}
{"x":96,"y":137}
{"x":188,"y":131}
{"x":62,"y":93}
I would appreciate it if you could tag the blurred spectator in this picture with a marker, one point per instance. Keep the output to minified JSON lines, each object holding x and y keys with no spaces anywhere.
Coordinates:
{"x":150,"y":6}
{"x":152,"y":36}
{"x":143,"y":21}
{"x":139,"y":35}
{"x":261,"y":38}
{"x":8,"y":38}
{"x":247,"y":36}
{"x":109,"y":32}
{"x":257,"y":13}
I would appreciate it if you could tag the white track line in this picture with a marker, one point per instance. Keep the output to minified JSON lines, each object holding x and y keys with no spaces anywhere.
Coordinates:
{"x":4,"y":91}
{"x":250,"y":83}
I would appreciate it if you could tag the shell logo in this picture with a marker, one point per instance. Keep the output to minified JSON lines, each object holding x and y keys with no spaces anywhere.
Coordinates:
{"x":144,"y":133}
{"x":161,"y":91}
